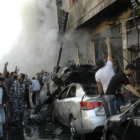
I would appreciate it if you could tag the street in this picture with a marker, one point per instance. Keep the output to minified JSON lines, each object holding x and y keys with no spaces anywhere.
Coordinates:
{"x":44,"y":131}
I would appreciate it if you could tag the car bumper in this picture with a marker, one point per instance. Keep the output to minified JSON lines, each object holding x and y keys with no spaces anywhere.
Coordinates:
{"x":90,"y":122}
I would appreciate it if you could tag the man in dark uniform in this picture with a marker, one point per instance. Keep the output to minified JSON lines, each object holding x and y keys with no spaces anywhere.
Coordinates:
{"x":17,"y":95}
{"x":115,"y":83}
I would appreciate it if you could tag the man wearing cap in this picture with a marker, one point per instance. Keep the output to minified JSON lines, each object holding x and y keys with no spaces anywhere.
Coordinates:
{"x":117,"y":81}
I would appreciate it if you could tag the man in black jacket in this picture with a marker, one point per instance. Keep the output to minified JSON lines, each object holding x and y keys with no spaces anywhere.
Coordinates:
{"x":116,"y":82}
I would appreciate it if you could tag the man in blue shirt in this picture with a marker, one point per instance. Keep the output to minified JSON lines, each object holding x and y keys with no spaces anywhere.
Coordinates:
{"x":34,"y":88}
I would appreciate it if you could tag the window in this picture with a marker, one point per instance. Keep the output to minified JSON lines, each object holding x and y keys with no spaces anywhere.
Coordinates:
{"x":68,"y":92}
{"x":73,"y":2}
{"x":90,"y":89}
{"x":64,"y":93}
{"x":72,"y":92}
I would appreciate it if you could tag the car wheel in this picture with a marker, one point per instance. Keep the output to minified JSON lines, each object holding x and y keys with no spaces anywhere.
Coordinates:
{"x":112,"y":137}
{"x":72,"y":127}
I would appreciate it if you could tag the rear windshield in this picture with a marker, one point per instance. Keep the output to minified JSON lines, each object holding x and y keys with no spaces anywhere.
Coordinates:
{"x":90,"y":90}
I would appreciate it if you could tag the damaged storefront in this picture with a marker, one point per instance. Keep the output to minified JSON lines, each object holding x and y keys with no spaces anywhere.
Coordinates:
{"x":117,"y":19}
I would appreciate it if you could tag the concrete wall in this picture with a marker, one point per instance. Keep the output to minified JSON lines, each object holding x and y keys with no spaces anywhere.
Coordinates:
{"x":118,"y":28}
{"x":118,"y":35}
{"x":83,"y":10}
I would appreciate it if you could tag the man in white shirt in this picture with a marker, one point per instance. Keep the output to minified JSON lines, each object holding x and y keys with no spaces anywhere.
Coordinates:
{"x":105,"y":72}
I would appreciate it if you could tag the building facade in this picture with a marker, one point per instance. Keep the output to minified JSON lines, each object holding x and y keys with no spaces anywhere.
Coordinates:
{"x":117,"y":19}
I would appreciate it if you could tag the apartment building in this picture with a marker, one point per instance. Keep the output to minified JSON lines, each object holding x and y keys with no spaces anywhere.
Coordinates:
{"x":117,"y":19}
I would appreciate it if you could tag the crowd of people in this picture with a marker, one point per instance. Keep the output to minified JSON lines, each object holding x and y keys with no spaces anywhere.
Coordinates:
{"x":15,"y":90}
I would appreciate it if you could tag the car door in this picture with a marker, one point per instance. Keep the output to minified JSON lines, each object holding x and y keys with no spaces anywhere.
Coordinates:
{"x":133,"y":131}
{"x":58,"y":107}
{"x":68,"y":103}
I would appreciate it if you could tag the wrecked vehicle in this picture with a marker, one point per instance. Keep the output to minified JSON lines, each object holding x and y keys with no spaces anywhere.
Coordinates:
{"x":64,"y":76}
{"x":74,"y":92}
{"x":125,"y":126}
{"x":79,"y":108}
{"x":71,"y":94}
{"x":46,"y":95}
{"x":77,"y":105}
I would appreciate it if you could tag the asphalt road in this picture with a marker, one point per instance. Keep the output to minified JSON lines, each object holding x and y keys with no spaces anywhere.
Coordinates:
{"x":44,"y":131}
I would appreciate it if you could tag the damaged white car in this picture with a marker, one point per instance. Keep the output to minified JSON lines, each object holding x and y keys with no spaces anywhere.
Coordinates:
{"x":79,"y":108}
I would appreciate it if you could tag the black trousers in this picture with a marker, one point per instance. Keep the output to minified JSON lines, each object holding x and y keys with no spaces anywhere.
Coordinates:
{"x":34,"y":95}
{"x":27,"y":98}
{"x":9,"y":113}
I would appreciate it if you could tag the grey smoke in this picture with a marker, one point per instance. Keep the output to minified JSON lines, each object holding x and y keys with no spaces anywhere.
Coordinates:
{"x":37,"y":46}
{"x":81,"y":38}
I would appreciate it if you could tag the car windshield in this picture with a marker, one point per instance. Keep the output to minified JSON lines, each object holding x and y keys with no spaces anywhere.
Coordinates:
{"x":90,"y":90}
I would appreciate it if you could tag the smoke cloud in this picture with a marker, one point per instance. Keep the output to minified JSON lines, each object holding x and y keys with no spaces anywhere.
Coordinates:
{"x":80,"y":39}
{"x":37,"y":47}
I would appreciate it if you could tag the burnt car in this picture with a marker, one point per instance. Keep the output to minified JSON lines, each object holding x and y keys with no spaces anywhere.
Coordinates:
{"x":125,"y":126}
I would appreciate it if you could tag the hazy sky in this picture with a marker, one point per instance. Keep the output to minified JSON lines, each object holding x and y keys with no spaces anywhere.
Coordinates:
{"x":29,"y":36}
{"x":10,"y":24}
{"x":29,"y":30}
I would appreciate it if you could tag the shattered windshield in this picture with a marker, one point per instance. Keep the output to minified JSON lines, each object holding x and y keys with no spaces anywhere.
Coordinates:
{"x":90,"y":90}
